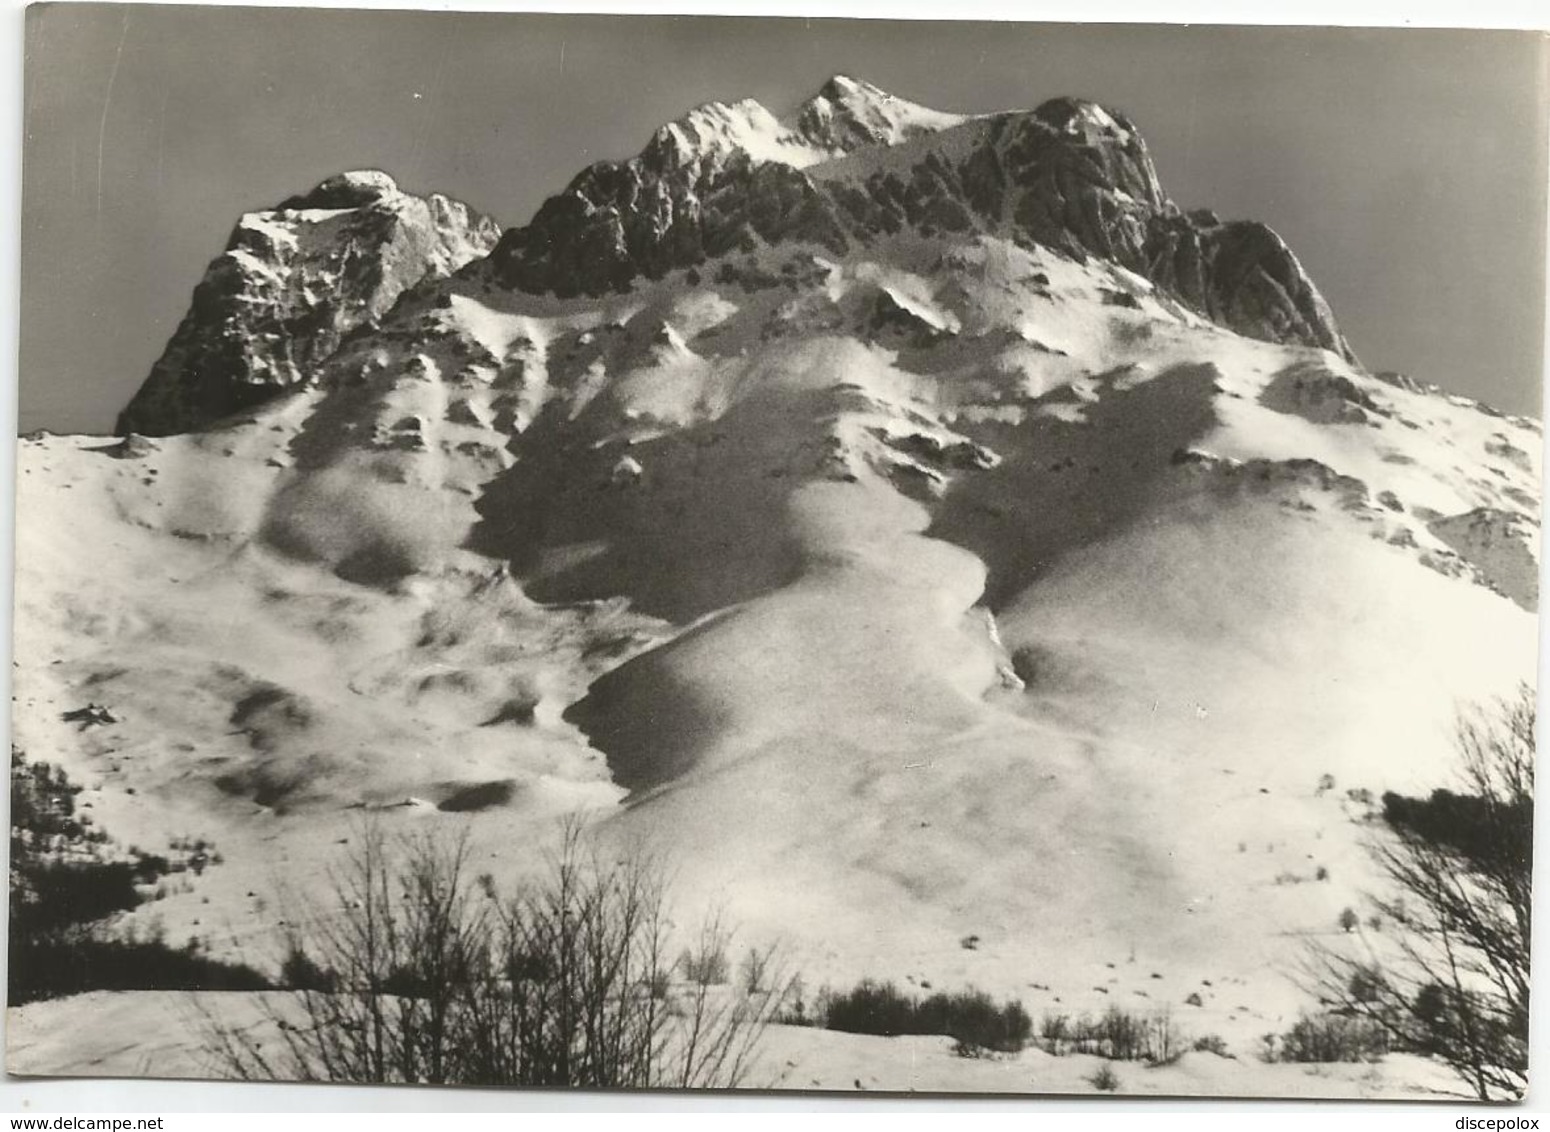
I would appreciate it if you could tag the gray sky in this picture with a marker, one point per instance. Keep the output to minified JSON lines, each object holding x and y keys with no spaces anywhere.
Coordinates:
{"x":1405,"y":168}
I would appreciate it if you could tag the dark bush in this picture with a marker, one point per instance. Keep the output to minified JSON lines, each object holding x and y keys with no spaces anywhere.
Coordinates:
{"x":59,"y":893}
{"x":871,"y":1008}
{"x":1333,"y":1037}
{"x":1105,"y":1080}
{"x":1211,"y":1043}
{"x":1487,"y":832}
{"x":301,"y":972}
{"x":972,"y":1018}
{"x":1365,"y":985}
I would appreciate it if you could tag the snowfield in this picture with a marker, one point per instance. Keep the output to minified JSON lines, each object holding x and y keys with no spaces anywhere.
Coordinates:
{"x":109,"y":1039}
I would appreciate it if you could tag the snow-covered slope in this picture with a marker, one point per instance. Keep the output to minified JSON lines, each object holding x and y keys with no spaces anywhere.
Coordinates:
{"x":913,"y":525}
{"x":157,"y":1034}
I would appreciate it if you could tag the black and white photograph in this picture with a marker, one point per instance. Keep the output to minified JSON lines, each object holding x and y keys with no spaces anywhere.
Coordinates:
{"x":783,"y":554}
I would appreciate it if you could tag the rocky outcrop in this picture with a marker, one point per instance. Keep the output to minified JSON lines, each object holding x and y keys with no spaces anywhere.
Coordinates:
{"x":723,"y":178}
{"x":1242,"y":276}
{"x":670,"y":207}
{"x":292,"y":282}
{"x":1502,"y":545}
{"x":1315,"y":393}
{"x":1077,"y":177}
{"x":1070,"y":175}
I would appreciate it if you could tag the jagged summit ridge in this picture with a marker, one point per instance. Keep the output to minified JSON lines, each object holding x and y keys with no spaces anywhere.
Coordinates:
{"x":843,"y":116}
{"x":1070,"y":174}
{"x":848,"y":167}
{"x":291,"y":283}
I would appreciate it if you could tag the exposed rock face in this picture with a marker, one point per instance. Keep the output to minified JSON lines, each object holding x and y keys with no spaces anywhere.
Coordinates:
{"x":1076,"y":177}
{"x":1070,"y":175}
{"x":850,"y":166}
{"x":668,"y":208}
{"x":1243,"y":276}
{"x":292,"y":282}
{"x":720,"y":179}
{"x":1501,"y":545}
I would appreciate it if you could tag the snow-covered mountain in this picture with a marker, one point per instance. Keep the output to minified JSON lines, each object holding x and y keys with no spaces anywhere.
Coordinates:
{"x":292,"y":282}
{"x":914,"y":524}
{"x":1070,"y":176}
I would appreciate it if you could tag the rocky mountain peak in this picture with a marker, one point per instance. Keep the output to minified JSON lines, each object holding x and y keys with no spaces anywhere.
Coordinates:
{"x":717,"y":130}
{"x":851,"y":165}
{"x":354,"y":188}
{"x":843,"y":116}
{"x":847,"y":114}
{"x":855,"y":163}
{"x":1108,"y":140}
{"x":291,"y":283}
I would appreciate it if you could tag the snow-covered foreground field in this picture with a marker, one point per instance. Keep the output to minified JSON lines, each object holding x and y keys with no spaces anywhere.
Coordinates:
{"x":157,"y":1035}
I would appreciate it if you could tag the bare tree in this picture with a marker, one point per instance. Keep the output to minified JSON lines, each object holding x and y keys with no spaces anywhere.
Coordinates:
{"x":718,"y":1026}
{"x":575,"y":993}
{"x":422,"y":974}
{"x":388,"y":962}
{"x":1452,"y":979}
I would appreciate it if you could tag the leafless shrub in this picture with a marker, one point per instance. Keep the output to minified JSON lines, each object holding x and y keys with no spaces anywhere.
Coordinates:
{"x":755,"y":969}
{"x":1451,"y":977}
{"x":1053,"y":1031}
{"x":1120,"y":1035}
{"x":1163,"y":1044}
{"x":705,"y":964}
{"x":418,"y":973}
